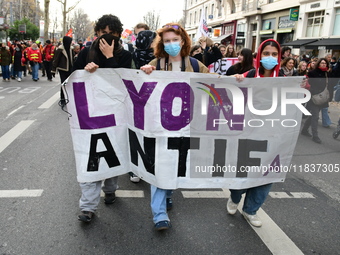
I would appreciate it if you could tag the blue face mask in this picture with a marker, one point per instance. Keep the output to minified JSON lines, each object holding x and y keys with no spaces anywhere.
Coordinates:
{"x":172,"y":48}
{"x":269,"y":62}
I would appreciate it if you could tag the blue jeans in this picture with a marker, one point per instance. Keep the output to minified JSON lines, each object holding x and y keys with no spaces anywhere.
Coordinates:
{"x":326,"y":121}
{"x":255,"y":197}
{"x":158,"y":203}
{"x":18,"y":74}
{"x":35,"y":71}
{"x":5,"y":72}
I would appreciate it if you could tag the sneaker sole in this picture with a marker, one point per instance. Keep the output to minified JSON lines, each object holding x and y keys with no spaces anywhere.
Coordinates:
{"x":109,"y":202}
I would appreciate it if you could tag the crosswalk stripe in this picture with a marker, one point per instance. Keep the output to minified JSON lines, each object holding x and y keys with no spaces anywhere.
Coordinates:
{"x":293,"y":195}
{"x":21,"y":193}
{"x":12,"y":134}
{"x":127,"y":193}
{"x":50,"y":101}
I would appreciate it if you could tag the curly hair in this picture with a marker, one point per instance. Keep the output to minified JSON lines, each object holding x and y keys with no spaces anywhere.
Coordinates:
{"x":158,"y":44}
{"x":113,"y":22}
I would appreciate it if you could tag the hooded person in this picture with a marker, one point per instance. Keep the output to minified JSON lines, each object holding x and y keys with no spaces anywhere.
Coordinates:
{"x":63,"y":63}
{"x":267,"y":65}
{"x":143,"y":53}
{"x":267,"y":61}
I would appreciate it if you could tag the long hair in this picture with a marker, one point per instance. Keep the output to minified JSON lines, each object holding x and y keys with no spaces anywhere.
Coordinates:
{"x":158,"y":44}
{"x":247,"y":63}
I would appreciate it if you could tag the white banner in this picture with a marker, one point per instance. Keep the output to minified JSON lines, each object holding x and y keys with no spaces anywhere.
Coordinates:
{"x":221,"y":66}
{"x":183,"y":130}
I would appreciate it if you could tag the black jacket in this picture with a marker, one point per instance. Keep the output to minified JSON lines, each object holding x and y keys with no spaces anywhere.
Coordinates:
{"x":122,"y":60}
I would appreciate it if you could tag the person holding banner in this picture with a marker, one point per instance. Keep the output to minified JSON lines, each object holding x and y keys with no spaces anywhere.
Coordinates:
{"x":267,"y":65}
{"x":171,"y":48}
{"x":105,"y":52}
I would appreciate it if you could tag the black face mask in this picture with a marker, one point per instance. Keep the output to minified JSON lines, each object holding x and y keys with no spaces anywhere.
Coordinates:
{"x":109,"y":38}
{"x":198,"y":56}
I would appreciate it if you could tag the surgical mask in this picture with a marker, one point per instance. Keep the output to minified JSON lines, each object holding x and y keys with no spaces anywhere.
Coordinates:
{"x":172,"y":48}
{"x":33,"y":48}
{"x":269,"y":62}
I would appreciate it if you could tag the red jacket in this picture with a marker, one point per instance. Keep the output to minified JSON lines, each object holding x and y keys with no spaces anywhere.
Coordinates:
{"x":48,"y":52}
{"x":34,"y":55}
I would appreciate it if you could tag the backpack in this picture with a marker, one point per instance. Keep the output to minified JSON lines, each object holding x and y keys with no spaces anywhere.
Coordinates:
{"x":193,"y":62}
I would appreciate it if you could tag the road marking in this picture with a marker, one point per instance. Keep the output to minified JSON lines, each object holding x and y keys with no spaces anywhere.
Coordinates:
{"x":205,"y":194}
{"x":12,"y":134}
{"x":293,"y":195}
{"x":22,"y":106}
{"x":127,"y":193}
{"x":50,"y":101}
{"x":21,"y":193}
{"x":302,"y":195}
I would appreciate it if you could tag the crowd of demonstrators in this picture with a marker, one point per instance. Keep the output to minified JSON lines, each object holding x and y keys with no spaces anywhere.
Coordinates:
{"x":169,"y":49}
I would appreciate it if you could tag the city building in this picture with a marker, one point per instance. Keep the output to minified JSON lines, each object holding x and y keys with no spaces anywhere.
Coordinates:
{"x":308,"y":26}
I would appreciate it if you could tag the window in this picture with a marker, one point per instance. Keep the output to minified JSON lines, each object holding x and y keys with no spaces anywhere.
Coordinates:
{"x":219,"y":7}
{"x":254,"y":27}
{"x":233,"y":6}
{"x":195,"y":16}
{"x":336,"y":29}
{"x":212,"y":9}
{"x":315,"y":23}
{"x":190,"y":19}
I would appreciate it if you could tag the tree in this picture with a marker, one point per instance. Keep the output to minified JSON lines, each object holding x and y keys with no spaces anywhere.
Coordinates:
{"x":46,"y":19}
{"x":81,"y":25}
{"x":66,"y":11}
{"x":152,"y":20}
{"x":32,"y":31}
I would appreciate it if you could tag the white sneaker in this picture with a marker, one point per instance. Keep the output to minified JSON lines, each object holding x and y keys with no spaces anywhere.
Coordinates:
{"x":134,"y":178}
{"x":252,"y":219}
{"x":19,"y":79}
{"x":231,"y":206}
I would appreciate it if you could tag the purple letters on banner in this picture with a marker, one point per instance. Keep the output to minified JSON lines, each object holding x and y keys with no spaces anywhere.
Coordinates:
{"x":85,"y":121}
{"x":235,"y":122}
{"x":173,"y":90}
{"x":139,"y":100}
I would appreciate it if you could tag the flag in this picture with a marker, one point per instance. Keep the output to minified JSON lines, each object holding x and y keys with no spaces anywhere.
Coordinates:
{"x":69,"y":33}
{"x":126,"y":33}
{"x":202,"y":29}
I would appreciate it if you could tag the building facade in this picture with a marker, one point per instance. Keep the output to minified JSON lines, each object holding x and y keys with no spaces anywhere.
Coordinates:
{"x":308,"y":26}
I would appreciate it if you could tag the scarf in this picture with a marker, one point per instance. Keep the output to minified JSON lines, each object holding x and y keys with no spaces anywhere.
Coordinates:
{"x":287,"y":72}
{"x":144,"y":53}
{"x":95,"y":55}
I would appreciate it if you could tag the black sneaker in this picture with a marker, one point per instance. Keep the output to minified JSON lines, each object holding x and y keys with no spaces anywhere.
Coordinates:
{"x":162,"y":225}
{"x":110,"y":198}
{"x":306,"y":133}
{"x":316,"y":139}
{"x":85,"y":216}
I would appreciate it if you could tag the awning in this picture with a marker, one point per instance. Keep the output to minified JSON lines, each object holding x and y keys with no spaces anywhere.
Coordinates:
{"x":222,"y":37}
{"x":329,"y":44}
{"x":298,"y":43}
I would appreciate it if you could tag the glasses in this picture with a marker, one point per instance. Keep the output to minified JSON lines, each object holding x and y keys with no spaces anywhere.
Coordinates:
{"x":171,"y":26}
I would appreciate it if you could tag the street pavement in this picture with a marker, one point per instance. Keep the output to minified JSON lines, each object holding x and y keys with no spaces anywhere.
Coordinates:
{"x":39,"y":196}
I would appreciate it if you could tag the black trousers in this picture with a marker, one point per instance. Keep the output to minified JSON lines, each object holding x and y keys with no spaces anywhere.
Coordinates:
{"x":48,"y":68}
